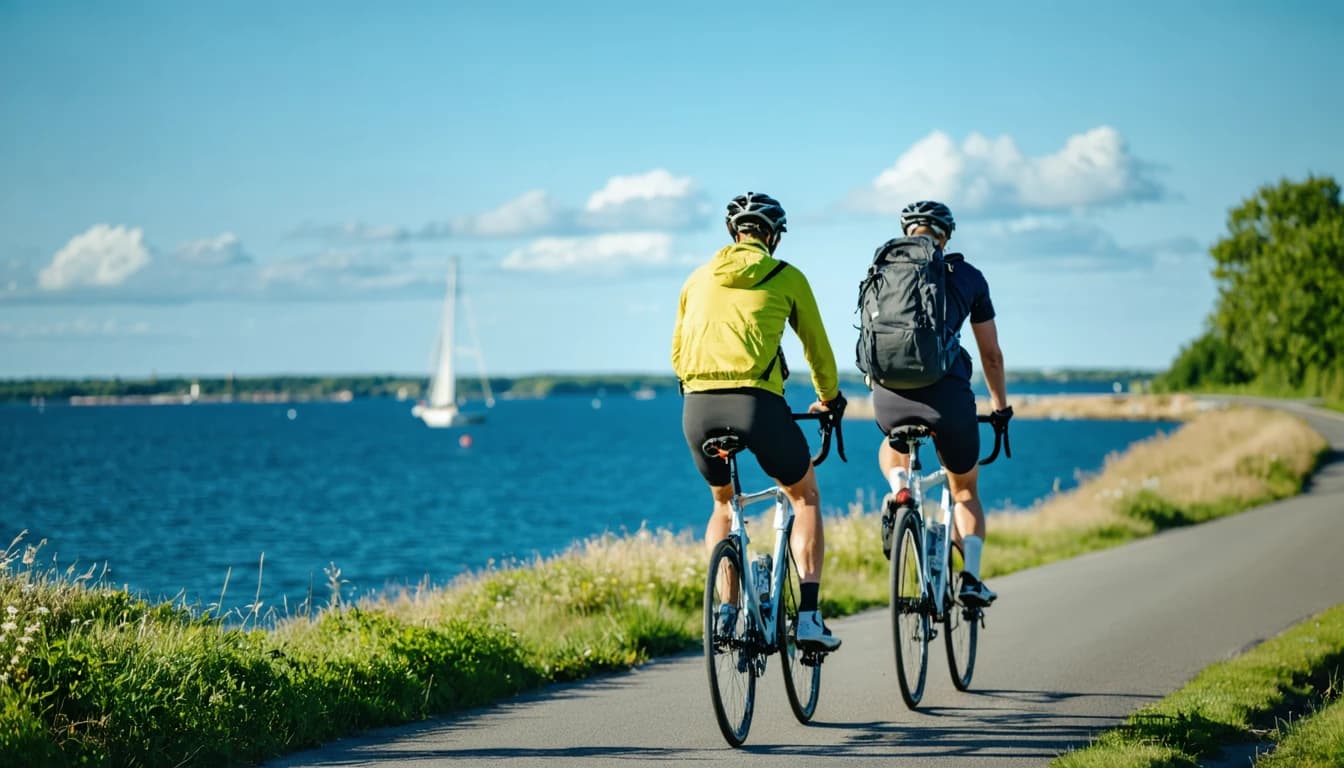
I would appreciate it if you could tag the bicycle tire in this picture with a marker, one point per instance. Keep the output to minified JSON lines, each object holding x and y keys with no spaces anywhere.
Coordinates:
{"x":730,"y":653}
{"x":802,"y":669}
{"x":961,"y":626}
{"x":909,"y":611}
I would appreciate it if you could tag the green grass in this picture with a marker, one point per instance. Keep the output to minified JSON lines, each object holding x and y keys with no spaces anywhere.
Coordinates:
{"x":92,"y":676}
{"x":1242,"y":700}
{"x":1315,"y":742}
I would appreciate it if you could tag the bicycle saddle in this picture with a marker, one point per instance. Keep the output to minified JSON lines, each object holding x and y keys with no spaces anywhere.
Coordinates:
{"x":723,"y":446}
{"x":901,"y":434}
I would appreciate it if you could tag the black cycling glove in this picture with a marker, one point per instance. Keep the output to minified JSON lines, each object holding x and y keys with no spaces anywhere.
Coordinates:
{"x":999,"y":419}
{"x":837,"y":404}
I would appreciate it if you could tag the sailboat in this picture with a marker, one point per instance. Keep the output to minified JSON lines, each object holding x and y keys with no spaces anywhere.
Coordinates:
{"x":441,"y":408}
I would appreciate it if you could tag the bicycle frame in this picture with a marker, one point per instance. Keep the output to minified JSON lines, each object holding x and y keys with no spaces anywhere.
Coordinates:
{"x":935,"y":556}
{"x":936,"y":542}
{"x":762,"y":614}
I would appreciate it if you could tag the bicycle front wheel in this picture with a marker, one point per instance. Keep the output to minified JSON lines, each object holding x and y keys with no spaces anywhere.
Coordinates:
{"x":730,"y":651}
{"x":909,"y":615}
{"x":802,"y":669}
{"x":961,"y":626}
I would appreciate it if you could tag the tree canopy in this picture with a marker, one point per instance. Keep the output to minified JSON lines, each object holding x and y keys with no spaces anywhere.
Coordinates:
{"x":1279,"y":316}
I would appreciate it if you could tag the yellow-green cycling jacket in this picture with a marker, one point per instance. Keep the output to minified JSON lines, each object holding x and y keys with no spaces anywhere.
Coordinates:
{"x":729,"y":324}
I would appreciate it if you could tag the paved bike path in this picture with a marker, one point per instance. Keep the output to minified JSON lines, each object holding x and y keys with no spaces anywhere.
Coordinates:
{"x":1071,"y":649}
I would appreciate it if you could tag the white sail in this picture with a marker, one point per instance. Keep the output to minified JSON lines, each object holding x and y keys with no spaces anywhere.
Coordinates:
{"x":441,"y":408}
{"x":443,"y":384}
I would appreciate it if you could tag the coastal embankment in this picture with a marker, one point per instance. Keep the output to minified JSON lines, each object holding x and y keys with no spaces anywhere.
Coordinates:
{"x":1140,"y":407}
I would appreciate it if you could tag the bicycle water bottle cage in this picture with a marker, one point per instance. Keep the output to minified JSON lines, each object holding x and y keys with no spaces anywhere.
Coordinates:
{"x":902,"y":435}
{"x":723,"y":446}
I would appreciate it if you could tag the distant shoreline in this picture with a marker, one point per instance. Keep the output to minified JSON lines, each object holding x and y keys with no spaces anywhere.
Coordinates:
{"x":179,"y":390}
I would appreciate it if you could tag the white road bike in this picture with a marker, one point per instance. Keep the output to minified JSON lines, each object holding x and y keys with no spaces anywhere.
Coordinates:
{"x":751,"y":603}
{"x":926,"y":563}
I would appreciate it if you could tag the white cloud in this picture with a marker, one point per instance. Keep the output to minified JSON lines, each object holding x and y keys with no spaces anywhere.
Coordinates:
{"x":611,"y":252}
{"x":532,"y":212}
{"x":994,"y":177}
{"x":654,"y":185}
{"x":102,"y":256}
{"x":214,"y":251}
{"x":81,"y":327}
{"x":655,"y":200}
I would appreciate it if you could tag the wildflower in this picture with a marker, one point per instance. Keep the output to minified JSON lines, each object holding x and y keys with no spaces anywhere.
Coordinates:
{"x":11,"y":610}
{"x":43,"y":610}
{"x":9,"y":626}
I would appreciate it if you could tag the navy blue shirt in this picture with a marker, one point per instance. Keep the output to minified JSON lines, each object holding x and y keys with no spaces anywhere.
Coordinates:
{"x":967,"y":296}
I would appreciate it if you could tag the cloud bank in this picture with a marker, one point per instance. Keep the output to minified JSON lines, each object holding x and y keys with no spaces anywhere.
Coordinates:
{"x":993,"y":176}
{"x":656,"y":200}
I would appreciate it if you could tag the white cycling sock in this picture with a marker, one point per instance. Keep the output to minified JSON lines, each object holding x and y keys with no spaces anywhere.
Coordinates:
{"x":971,"y":547}
{"x":899,"y":478}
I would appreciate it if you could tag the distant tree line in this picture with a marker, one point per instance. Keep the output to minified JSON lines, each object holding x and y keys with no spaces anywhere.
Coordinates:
{"x":408,"y":387}
{"x":1277,"y":327}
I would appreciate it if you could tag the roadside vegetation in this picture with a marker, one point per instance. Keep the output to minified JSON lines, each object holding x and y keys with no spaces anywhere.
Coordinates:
{"x":1283,"y":696}
{"x":1277,"y":328}
{"x":90,"y":675}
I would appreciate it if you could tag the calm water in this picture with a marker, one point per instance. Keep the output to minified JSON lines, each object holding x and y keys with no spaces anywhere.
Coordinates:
{"x":171,"y":498}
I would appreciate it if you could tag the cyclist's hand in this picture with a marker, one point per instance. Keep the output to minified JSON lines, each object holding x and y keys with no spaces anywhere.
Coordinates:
{"x":835,"y":405}
{"x":999,"y":419}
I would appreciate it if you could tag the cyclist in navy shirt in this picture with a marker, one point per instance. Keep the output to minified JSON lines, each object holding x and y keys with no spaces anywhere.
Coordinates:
{"x":948,"y":406}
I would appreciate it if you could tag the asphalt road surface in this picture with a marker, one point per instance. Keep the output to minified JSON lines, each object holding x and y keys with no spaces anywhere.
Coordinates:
{"x":1070,"y":649}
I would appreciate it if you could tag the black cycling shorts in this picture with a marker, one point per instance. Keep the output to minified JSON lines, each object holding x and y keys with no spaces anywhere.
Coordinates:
{"x":761,"y":418}
{"x":948,"y":407}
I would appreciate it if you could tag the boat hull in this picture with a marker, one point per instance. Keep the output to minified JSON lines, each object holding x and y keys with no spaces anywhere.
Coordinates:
{"x":445,"y":417}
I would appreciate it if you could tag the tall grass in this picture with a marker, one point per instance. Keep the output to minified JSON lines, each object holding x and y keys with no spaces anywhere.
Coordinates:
{"x":90,"y":675}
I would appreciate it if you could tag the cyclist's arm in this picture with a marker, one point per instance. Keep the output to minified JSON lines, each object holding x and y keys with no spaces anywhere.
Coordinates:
{"x":806,"y":322}
{"x":991,"y":362}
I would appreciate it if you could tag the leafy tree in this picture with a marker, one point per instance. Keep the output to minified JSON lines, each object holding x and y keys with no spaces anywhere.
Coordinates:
{"x":1280,"y":273}
{"x":1208,"y":361}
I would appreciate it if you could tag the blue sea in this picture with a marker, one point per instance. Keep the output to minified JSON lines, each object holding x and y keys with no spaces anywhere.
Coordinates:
{"x":173,"y":500}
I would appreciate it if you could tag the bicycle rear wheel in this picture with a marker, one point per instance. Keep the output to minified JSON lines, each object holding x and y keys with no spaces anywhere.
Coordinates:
{"x":909,"y":617}
{"x":802,"y":669}
{"x":961,"y":626}
{"x":730,"y":651}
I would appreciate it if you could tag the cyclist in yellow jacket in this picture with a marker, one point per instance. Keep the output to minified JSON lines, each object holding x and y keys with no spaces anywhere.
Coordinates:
{"x":726,"y":353}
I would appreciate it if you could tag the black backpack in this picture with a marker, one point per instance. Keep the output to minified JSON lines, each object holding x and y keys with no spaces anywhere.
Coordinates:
{"x":904,"y":342}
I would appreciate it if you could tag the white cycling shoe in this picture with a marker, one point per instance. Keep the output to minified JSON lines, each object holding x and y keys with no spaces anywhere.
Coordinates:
{"x":813,"y":634}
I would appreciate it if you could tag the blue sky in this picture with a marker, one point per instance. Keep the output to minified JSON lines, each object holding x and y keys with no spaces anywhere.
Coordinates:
{"x":206,"y":188}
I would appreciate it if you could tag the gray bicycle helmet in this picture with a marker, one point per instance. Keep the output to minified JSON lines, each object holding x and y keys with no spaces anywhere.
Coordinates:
{"x":928,"y":213}
{"x":755,"y":210}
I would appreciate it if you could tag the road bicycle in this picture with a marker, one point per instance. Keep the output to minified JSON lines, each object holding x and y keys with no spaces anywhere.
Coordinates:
{"x":751,"y":603}
{"x":926,"y":564}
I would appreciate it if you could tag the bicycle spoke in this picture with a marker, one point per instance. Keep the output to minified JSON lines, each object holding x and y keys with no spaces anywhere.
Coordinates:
{"x":802,"y":669}
{"x":730,"y":649}
{"x":962,"y":629}
{"x":909,"y":617}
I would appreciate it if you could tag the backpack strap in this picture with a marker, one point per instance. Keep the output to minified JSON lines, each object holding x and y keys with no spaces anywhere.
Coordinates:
{"x":779,"y":353}
{"x":778,"y":268}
